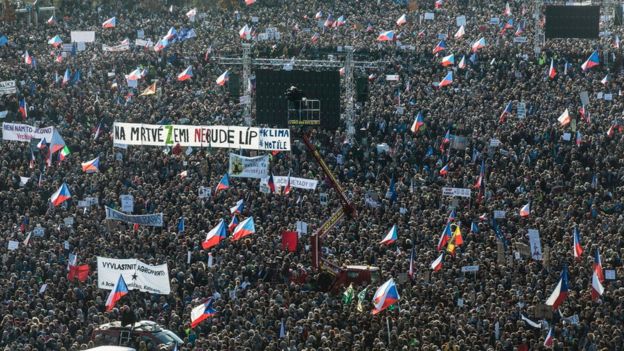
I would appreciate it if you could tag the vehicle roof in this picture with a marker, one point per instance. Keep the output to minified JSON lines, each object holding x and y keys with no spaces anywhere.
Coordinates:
{"x":147,"y":326}
{"x":363,"y":268}
{"x":111,"y":348}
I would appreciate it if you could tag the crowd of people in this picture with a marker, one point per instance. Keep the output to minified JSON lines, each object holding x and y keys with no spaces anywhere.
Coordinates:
{"x":571,"y":175}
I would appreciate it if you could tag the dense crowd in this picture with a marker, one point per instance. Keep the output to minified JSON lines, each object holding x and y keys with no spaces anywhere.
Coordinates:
{"x":568,"y":184}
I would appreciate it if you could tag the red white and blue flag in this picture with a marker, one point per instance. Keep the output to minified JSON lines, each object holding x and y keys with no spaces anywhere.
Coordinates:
{"x":224,"y":184}
{"x":214,"y":236}
{"x":402,"y":20}
{"x":61,"y":195}
{"x":446,"y":236}
{"x":202,"y":312}
{"x":447,"y":80}
{"x":441,"y":46}
{"x":481,"y":43}
{"x":92,"y":166}
{"x":223,"y":78}
{"x":552,"y":72}
{"x":597,"y":265}
{"x":597,"y":289}
{"x":592,"y":61}
{"x":386,"y":36}
{"x":55,"y":41}
{"x":385,"y":296}
{"x":186,"y":74}
{"x":119,"y":290}
{"x":271,"y":183}
{"x":418,"y":123}
{"x":506,"y":112}
{"x":244,"y":229}
{"x":238,"y":208}
{"x":110,"y":23}
{"x":448,"y":60}
{"x":233,"y":223}
{"x":577,"y":248}
{"x":23,"y":108}
{"x":561,"y":291}
{"x":392,"y":236}
{"x":525,"y":211}
{"x":436,"y":265}
{"x":548,"y":342}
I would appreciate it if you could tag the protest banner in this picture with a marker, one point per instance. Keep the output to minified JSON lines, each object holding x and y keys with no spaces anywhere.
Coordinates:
{"x":248,"y":167}
{"x":136,"y":274}
{"x":24,"y":132}
{"x":115,"y":48}
{"x":154,"y":220}
{"x":461,"y":192}
{"x":299,"y":183}
{"x":82,"y":36}
{"x":144,"y":43}
{"x":8,"y":87}
{"x":232,"y":137}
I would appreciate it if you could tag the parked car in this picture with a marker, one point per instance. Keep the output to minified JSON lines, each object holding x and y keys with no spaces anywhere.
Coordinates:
{"x":155,"y":336}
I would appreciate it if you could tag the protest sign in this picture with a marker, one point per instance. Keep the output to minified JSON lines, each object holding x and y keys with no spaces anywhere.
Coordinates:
{"x":302,"y":227}
{"x":115,"y":48}
{"x":24,"y":132}
{"x":154,"y":220}
{"x":536,"y":245}
{"x":127,"y":203}
{"x":137,"y":275}
{"x":13,"y":245}
{"x":204,"y":192}
{"x":461,"y":192}
{"x":248,"y":167}
{"x":299,"y":183}
{"x":232,"y":137}
{"x":144,"y":43}
{"x":7,"y":87}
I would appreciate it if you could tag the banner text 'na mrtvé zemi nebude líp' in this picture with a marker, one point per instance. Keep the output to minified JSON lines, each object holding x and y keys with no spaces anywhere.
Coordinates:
{"x":231,"y":137}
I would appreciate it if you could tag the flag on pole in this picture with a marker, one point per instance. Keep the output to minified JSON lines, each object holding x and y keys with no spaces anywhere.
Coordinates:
{"x":565,"y":118}
{"x":386,"y":36}
{"x":385,"y":296}
{"x":436,"y":265}
{"x":92,"y":166}
{"x":460,"y":32}
{"x":402,"y":20}
{"x":348,"y":295}
{"x":119,"y":290}
{"x":61,"y":195}
{"x":419,"y":122}
{"x":244,"y":229}
{"x":202,"y":312}
{"x":410,"y":271}
{"x":561,"y":291}
{"x":592,"y":61}
{"x":481,"y":43}
{"x":391,"y":236}
{"x":224,"y":184}
{"x":214,"y":236}
{"x":110,"y":23}
{"x":23,"y":108}
{"x":150,"y":90}
{"x":525,"y":211}
{"x":576,"y":243}
{"x":186,"y":74}
{"x":223,"y":78}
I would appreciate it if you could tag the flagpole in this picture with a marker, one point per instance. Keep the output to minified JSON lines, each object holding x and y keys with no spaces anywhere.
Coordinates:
{"x":388,"y":324}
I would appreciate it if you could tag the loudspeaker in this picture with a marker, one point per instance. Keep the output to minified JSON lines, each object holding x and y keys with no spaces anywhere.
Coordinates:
{"x":234,"y":85}
{"x":361,"y":88}
{"x":618,"y":15}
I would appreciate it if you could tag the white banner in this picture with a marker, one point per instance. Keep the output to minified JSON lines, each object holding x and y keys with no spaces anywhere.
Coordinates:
{"x":299,"y":183}
{"x":24,"y":132}
{"x":116,"y":48}
{"x":136,"y":274}
{"x":8,"y":87}
{"x":461,"y":192}
{"x":144,"y":43}
{"x":535,"y":244}
{"x":249,"y":167}
{"x":246,"y":138}
{"x":82,"y":36}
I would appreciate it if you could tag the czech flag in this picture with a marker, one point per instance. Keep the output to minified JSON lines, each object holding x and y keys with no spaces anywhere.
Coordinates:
{"x":27,"y":59}
{"x":161,"y":44}
{"x":186,"y":74}
{"x":525,"y":211}
{"x":287,"y":188}
{"x":201,"y":312}
{"x":507,"y":11}
{"x":214,"y":236}
{"x":271,"y":183}
{"x":441,"y":46}
{"x":592,"y":61}
{"x":318,"y":15}
{"x":460,"y":32}
{"x":238,"y":208}
{"x":224,"y":183}
{"x":329,"y":21}
{"x":551,"y":71}
{"x":418,"y":123}
{"x":548,"y":342}
{"x":462,"y":63}
{"x":233,"y":223}
{"x":597,"y":266}
{"x":51,"y":20}
{"x":119,"y":290}
{"x":386,"y":36}
{"x":223,"y":78}
{"x":339,"y":22}
{"x":191,"y":14}
{"x":250,"y":2}
{"x":444,"y":170}
{"x":61,"y":195}
{"x":66,"y":77}
{"x":561,"y":291}
{"x":171,"y":33}
{"x":110,"y":23}
{"x":446,"y":236}
{"x":579,"y":138}
{"x":597,"y":287}
{"x":92,"y":166}
{"x":56,"y":41}
{"x":478,"y":44}
{"x":42,"y":144}
{"x":506,"y":112}
{"x":391,"y":237}
{"x":448,"y":60}
{"x":245,"y":33}
{"x":576,"y":246}
{"x":565,"y":118}
{"x":452,"y":216}
{"x":23,"y":108}
{"x":402,"y":20}
{"x":385,"y":296}
{"x":447,"y":80}
{"x":436,"y":265}
{"x":244,"y":229}
{"x":605,"y":80}
{"x":520,"y":29}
